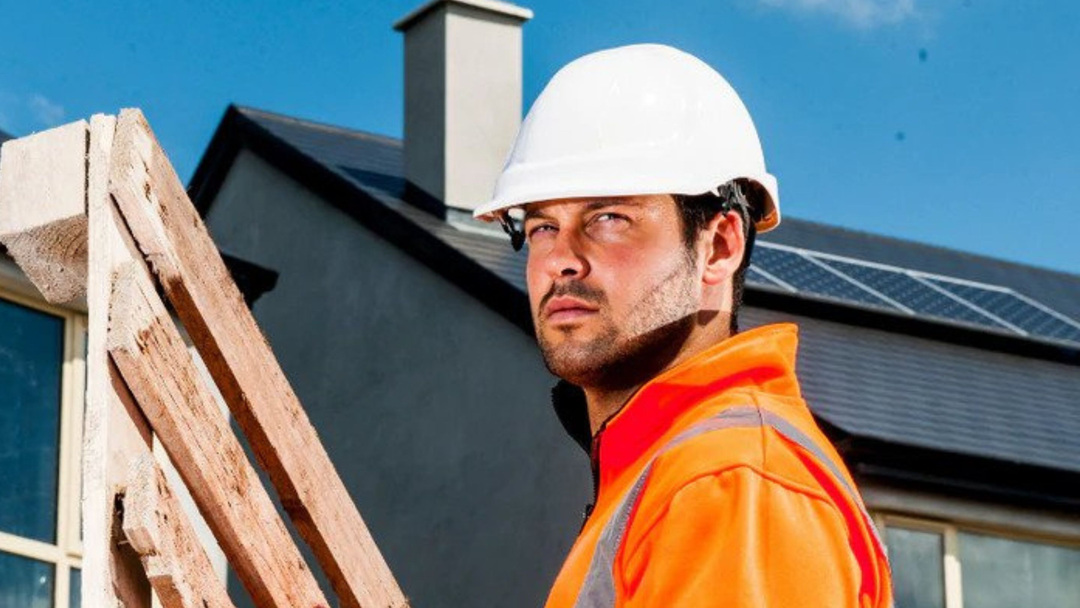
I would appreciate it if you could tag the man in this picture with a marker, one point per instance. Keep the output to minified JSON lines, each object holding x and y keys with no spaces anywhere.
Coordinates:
{"x":642,"y":185}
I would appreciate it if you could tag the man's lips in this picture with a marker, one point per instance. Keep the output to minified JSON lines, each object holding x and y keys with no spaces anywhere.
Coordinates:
{"x":567,"y":309}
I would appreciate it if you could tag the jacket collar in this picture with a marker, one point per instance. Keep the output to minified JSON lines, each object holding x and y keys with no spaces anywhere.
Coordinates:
{"x":573,"y":412}
{"x":762,"y":358}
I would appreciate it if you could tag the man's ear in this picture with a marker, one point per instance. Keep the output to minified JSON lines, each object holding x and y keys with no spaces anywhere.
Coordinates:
{"x":725,"y":246}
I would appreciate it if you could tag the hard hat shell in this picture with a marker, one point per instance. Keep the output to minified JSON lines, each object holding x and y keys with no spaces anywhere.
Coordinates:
{"x":634,"y":120}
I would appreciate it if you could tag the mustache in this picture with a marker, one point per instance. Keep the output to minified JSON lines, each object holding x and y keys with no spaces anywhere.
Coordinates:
{"x":577,"y":289}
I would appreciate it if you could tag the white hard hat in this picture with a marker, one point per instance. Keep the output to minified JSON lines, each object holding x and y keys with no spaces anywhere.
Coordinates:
{"x":641,"y":119}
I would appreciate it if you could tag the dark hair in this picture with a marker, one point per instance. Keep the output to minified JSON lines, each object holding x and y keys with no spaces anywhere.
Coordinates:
{"x":697,"y":211}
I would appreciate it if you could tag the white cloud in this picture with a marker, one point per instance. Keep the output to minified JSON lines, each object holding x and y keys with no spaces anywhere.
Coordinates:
{"x":45,"y":111}
{"x":863,"y":14}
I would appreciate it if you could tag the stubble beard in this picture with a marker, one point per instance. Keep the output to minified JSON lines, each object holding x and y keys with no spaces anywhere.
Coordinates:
{"x":653,"y":333}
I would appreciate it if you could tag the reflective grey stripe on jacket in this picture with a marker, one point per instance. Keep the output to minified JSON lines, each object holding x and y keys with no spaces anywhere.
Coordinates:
{"x":598,"y":588}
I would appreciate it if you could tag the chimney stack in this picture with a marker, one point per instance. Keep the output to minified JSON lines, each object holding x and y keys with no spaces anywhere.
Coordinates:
{"x":462,"y":96}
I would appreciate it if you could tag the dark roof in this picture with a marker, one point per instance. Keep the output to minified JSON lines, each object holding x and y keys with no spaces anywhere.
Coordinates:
{"x":939,"y":400}
{"x":923,"y":385}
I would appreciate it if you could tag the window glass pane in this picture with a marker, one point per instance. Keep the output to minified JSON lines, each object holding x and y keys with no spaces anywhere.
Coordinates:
{"x":25,"y":583}
{"x":917,"y":567}
{"x":76,"y":588}
{"x":1002,"y":573}
{"x":31,"y":355}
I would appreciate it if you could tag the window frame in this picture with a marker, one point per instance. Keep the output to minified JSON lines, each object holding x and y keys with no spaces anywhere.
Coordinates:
{"x":951,"y":567}
{"x":67,"y":552}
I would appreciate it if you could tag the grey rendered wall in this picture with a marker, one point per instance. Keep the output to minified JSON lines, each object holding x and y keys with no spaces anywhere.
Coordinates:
{"x":433,"y":408}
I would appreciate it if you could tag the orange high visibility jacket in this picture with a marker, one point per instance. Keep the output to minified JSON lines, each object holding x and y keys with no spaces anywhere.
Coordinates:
{"x":716,"y":488}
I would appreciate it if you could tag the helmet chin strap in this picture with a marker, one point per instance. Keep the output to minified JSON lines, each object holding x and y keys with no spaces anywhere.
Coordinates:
{"x":517,"y":236}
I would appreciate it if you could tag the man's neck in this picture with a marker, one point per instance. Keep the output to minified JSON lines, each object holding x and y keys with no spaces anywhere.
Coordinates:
{"x":603,"y":403}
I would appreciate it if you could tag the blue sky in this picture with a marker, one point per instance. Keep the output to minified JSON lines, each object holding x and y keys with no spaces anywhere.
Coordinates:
{"x":951,"y":122}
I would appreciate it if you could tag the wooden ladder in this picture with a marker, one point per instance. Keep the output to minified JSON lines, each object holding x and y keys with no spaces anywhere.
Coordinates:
{"x":94,"y":209}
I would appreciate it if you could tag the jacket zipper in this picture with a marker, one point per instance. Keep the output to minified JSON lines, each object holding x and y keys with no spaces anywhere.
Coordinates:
{"x":594,"y":461}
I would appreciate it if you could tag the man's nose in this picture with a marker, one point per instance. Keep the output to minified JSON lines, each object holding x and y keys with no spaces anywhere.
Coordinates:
{"x":565,"y":258}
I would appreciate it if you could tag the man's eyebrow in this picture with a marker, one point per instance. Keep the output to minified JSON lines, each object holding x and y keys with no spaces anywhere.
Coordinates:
{"x":610,"y":202}
{"x":602,"y":203}
{"x":535,"y":214}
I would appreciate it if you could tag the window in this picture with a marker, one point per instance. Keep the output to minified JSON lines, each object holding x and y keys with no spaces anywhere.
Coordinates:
{"x":938,"y":565}
{"x":42,"y":380}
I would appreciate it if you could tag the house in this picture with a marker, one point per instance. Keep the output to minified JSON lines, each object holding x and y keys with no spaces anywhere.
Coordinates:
{"x":948,"y":381}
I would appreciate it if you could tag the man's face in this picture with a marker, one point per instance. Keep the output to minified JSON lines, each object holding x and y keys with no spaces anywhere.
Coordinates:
{"x":611,"y":284}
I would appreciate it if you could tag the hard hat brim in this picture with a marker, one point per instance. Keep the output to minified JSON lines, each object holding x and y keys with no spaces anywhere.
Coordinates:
{"x":525,"y":186}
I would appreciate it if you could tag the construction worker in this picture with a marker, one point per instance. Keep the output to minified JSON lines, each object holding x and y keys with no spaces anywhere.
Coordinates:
{"x":639,"y":184}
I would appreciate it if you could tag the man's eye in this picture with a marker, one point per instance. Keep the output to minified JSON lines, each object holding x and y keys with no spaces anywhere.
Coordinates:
{"x":608,"y":217}
{"x":540,"y":230}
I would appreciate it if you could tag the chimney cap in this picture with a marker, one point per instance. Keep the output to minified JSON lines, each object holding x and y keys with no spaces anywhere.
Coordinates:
{"x":493,"y":6}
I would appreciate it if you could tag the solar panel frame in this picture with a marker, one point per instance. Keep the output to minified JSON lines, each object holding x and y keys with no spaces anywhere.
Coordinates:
{"x":807,"y":276}
{"x":757,"y":276}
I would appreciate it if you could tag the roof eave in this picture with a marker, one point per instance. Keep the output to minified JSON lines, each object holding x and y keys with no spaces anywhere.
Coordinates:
{"x":956,"y":474}
{"x":934,"y":329}
{"x":237,"y":132}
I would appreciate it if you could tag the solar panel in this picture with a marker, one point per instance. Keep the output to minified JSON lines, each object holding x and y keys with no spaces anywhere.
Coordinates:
{"x":907,"y":291}
{"x":1012,"y":308}
{"x":806,"y":276}
{"x":911,"y":293}
{"x":754,"y":276}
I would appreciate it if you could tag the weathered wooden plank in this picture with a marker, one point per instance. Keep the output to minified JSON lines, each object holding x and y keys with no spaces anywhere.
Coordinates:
{"x":175,"y":241}
{"x":115,"y":432}
{"x":148,"y":350}
{"x":174,"y":560}
{"x":43,"y":220}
